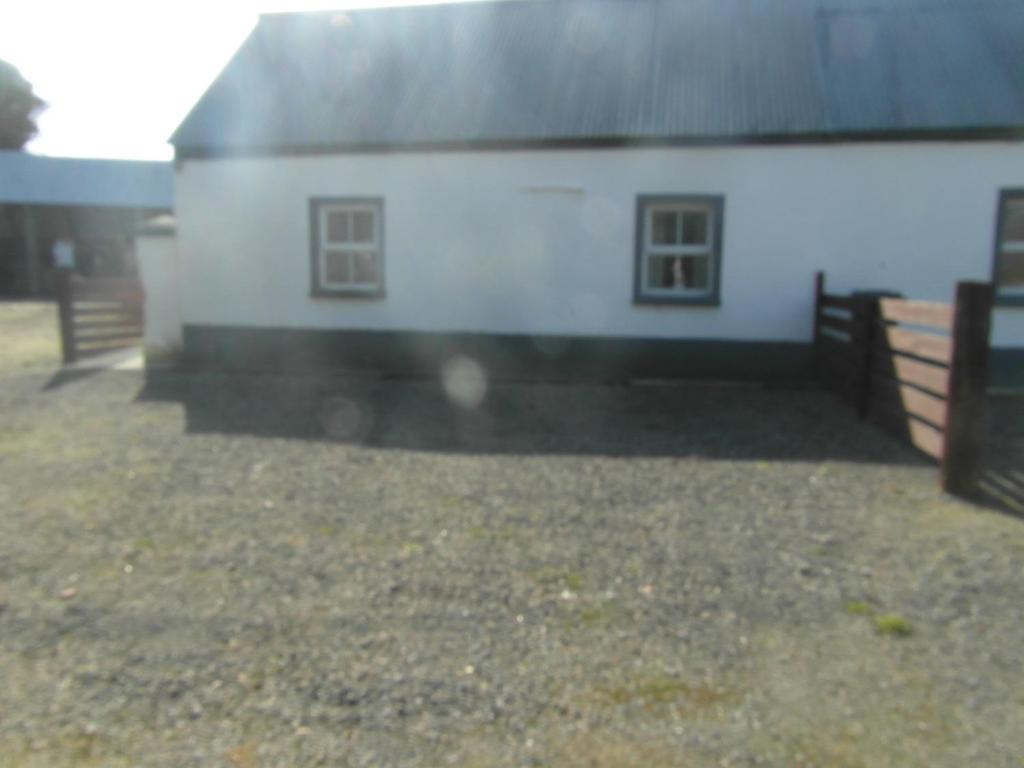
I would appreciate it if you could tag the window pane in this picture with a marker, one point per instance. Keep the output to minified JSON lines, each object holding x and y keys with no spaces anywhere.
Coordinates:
{"x":336,"y":266}
{"x":688,"y":273}
{"x":362,"y":226}
{"x":1010,"y":271}
{"x":698,"y":272}
{"x":695,"y":228}
{"x":365,"y":268}
{"x":1013,"y":221}
{"x":653,"y":273}
{"x":337,"y":226}
{"x":663,"y":228}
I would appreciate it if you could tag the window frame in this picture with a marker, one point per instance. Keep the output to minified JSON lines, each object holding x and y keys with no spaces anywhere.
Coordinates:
{"x":646,"y":206}
{"x":319,"y":287}
{"x":1015,"y":298}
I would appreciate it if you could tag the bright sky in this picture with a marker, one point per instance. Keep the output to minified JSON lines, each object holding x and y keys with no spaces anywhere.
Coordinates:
{"x":119,"y":75}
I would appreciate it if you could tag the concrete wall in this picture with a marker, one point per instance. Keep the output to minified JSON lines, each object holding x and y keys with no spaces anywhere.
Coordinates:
{"x":542,"y":242}
{"x":157,"y":255}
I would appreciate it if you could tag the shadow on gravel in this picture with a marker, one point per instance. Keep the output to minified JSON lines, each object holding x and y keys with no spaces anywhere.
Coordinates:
{"x":68,"y":376}
{"x":639,"y":419}
{"x":1001,"y":482}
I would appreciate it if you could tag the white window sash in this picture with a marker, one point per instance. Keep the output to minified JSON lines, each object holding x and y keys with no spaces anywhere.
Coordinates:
{"x":327,"y":210}
{"x":685,"y":291}
{"x":679,"y":208}
{"x":1011,"y":247}
{"x":1014,"y":247}
{"x":351,"y":247}
{"x":677,"y":292}
{"x":679,"y":250}
{"x":350,"y":284}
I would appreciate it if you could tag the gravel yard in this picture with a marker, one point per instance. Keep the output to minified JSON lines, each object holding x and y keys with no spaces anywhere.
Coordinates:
{"x":29,"y":336}
{"x":214,"y":570}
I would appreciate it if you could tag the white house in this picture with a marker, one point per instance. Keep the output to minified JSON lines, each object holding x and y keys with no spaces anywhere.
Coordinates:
{"x":598,"y":186}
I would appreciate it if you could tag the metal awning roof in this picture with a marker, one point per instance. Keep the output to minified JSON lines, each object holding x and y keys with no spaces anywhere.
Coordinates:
{"x":38,"y":180}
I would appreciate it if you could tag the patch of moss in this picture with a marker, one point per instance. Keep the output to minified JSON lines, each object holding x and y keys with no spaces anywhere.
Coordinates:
{"x":893,"y":625}
{"x":659,"y":692}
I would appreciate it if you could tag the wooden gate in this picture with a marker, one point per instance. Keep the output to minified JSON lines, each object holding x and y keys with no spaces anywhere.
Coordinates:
{"x":98,"y":314}
{"x":916,"y":368}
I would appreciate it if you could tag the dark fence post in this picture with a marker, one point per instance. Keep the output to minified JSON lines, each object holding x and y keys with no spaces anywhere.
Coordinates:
{"x":819,"y":292}
{"x":65,"y":298}
{"x":968,"y":377}
{"x":865,"y":321}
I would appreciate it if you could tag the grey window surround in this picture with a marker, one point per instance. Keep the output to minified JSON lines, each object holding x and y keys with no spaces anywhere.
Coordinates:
{"x":317,"y":288}
{"x":713,"y":296}
{"x":1005,"y":195}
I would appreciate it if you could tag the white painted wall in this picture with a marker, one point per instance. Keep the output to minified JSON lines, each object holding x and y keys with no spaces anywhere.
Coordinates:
{"x":157,"y":258}
{"x":472,"y":245}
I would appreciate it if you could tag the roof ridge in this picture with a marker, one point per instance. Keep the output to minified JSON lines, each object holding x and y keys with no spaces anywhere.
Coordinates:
{"x":408,"y":5}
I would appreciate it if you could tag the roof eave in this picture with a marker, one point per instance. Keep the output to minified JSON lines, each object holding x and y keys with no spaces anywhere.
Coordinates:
{"x":957,"y":134}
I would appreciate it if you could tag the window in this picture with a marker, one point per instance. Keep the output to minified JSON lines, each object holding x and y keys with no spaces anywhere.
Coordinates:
{"x":1008,"y":271}
{"x":347,"y":247}
{"x":678,"y":249}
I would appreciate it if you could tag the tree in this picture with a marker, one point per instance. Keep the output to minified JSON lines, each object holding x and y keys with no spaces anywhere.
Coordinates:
{"x":18,"y":108}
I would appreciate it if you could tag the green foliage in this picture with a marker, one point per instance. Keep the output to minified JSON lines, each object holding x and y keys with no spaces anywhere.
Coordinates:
{"x":656,"y":691}
{"x":19,"y":107}
{"x":892,"y":624}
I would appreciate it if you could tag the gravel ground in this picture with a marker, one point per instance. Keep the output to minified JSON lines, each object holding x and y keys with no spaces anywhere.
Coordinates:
{"x":1001,"y":480}
{"x":30,"y":337}
{"x":226,"y":571}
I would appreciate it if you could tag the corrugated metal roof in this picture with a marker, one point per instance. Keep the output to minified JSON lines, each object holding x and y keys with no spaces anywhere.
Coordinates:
{"x":38,"y":180}
{"x":564,"y":70}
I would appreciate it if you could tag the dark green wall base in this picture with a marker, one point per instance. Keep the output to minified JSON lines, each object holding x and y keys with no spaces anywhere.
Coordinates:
{"x":1006,"y":367}
{"x":520,"y":357}
{"x":502,"y":356}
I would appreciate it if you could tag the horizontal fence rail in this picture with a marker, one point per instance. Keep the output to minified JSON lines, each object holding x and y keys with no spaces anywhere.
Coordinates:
{"x":915,"y":368}
{"x":98,"y":314}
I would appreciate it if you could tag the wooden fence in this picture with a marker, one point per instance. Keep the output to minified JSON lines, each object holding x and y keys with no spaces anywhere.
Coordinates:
{"x":98,"y":314}
{"x":916,"y":368}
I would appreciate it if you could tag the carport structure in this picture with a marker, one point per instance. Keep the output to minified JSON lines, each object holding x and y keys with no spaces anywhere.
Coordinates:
{"x":97,"y":204}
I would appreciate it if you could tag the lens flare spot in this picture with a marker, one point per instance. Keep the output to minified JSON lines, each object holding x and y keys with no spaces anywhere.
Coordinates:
{"x":465,"y":381}
{"x":344,"y":419}
{"x":550,"y":346}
